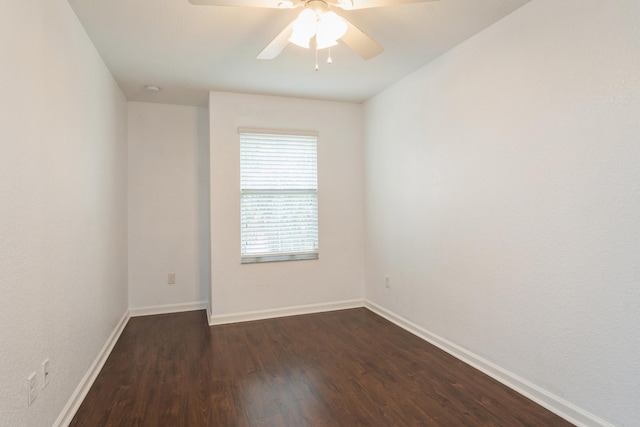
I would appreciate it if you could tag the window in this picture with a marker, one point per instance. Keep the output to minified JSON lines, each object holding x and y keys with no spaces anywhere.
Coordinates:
{"x":279,"y":196}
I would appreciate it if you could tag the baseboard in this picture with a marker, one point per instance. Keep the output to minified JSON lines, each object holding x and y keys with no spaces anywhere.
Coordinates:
{"x":209,"y":314}
{"x":247,"y":316}
{"x":553,"y":403}
{"x":168,"y":308}
{"x":81,"y":391}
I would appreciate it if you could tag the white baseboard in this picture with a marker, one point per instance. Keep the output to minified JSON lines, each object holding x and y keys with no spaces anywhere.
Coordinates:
{"x":553,"y":403}
{"x":81,"y":391}
{"x":209,"y":314}
{"x":168,"y":308}
{"x":222,"y":319}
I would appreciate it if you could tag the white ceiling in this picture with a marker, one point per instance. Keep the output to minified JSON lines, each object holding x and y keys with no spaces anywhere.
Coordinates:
{"x":189,"y":50}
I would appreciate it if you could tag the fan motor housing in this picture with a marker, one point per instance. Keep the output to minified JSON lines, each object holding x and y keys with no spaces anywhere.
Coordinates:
{"x":317,"y":6}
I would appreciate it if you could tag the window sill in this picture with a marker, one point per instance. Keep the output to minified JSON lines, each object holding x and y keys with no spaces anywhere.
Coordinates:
{"x":278,"y":258}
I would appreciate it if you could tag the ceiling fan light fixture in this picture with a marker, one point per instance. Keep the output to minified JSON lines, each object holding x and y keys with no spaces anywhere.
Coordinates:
{"x":306,"y":19}
{"x":304,"y":27}
{"x":331,"y":27}
{"x":300,"y":40}
{"x":325,"y":43}
{"x":285,"y":4}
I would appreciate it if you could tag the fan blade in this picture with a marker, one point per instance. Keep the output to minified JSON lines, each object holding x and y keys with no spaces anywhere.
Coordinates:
{"x":271,"y":4}
{"x":361,"y":43}
{"x":277,"y":45}
{"x":366,"y":4}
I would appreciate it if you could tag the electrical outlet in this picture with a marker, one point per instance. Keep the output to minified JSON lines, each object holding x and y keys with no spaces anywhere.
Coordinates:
{"x":172,"y":278}
{"x":45,"y":373}
{"x":32,"y":393}
{"x":387,"y":282}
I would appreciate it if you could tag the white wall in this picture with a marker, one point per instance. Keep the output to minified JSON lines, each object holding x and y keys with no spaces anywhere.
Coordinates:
{"x":338,"y":274}
{"x":168,"y":204}
{"x":63,"y":244}
{"x":503,"y":197}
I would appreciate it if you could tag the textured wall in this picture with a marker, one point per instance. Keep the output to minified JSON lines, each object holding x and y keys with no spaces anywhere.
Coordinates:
{"x":168,"y":204}
{"x":338,"y":274}
{"x":503,"y":197}
{"x":63,"y":245}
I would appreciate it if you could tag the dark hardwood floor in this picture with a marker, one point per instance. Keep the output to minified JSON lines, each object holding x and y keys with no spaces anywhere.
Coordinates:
{"x":343,"y":368}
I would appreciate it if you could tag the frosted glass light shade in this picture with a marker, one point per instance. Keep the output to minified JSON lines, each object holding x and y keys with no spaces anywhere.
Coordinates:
{"x":327,"y":28}
{"x":304,"y":27}
{"x":324,"y":42}
{"x":330,"y":28}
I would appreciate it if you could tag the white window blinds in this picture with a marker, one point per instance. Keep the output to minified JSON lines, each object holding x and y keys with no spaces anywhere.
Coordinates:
{"x":279,"y":197}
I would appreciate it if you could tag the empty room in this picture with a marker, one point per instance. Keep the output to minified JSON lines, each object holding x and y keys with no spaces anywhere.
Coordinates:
{"x":320,"y":213}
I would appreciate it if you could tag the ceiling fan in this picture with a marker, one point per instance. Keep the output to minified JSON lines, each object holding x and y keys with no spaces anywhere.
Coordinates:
{"x":317,"y":21}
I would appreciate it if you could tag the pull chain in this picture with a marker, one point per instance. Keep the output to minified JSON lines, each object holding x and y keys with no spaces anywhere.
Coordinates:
{"x":329,"y":59}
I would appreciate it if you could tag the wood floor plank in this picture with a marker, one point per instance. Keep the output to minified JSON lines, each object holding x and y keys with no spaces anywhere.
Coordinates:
{"x":343,"y":368}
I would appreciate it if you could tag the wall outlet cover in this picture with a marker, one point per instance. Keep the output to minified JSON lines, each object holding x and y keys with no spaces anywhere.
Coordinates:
{"x":45,"y":373}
